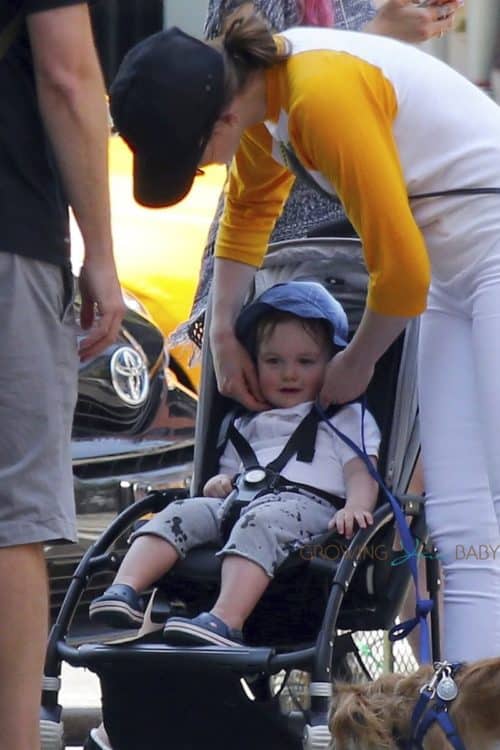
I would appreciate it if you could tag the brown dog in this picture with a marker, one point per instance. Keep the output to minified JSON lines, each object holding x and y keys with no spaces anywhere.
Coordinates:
{"x":377,"y":715}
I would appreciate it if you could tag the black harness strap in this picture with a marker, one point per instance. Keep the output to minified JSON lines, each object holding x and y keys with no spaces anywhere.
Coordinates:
{"x":242,"y":447}
{"x":225,"y":426}
{"x":301,"y":443}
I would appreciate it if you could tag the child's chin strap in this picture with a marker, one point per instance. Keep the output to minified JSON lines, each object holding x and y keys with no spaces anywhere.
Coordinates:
{"x":409,"y":542}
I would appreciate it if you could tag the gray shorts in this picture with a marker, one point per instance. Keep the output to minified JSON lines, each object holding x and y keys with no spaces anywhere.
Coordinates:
{"x":266,"y":532}
{"x":38,"y":388}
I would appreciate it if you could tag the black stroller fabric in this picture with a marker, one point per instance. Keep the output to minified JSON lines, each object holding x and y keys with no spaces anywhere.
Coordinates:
{"x":206,"y":709}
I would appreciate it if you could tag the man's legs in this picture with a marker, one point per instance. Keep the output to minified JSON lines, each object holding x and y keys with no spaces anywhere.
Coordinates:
{"x":38,"y":384}
{"x":23,"y":638}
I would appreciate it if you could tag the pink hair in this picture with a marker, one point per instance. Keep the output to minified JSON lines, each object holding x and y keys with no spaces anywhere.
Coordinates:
{"x":316,"y":12}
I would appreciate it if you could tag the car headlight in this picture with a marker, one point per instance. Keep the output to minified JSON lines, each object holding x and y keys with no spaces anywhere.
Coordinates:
{"x":134,"y":304}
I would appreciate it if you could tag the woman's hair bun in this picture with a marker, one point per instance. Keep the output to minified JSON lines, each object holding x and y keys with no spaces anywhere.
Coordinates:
{"x":247,"y":39}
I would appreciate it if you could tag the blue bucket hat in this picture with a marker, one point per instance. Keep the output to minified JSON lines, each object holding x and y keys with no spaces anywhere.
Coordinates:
{"x":305,"y":299}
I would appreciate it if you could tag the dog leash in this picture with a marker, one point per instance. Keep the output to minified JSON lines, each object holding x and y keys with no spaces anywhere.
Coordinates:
{"x":409,"y":542}
{"x":432,"y":707}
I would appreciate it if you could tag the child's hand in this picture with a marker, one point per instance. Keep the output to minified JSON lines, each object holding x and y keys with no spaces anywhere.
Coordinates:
{"x":218,"y":486}
{"x":344,"y":520}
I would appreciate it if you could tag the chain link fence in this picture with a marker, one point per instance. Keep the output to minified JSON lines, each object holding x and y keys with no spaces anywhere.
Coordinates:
{"x":377,"y":654}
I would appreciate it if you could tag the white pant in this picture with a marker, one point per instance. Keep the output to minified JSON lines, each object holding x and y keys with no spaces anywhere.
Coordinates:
{"x":459,"y":386}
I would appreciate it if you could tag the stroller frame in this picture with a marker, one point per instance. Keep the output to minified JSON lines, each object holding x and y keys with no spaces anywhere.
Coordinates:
{"x":357,"y":592}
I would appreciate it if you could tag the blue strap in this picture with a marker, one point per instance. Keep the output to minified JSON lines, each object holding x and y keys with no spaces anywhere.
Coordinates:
{"x":448,"y":727}
{"x":421,"y":722}
{"x":418,"y":712}
{"x":439,"y":713}
{"x":422,"y":606}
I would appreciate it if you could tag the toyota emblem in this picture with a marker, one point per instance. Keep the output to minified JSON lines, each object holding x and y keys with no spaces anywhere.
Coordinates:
{"x":129,"y":376}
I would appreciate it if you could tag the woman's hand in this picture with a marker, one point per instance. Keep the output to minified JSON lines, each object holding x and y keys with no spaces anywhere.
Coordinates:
{"x":218,"y":486}
{"x":349,"y":372}
{"x":235,"y":372}
{"x":345,"y":379}
{"x":411,"y":22}
{"x":234,"y":369}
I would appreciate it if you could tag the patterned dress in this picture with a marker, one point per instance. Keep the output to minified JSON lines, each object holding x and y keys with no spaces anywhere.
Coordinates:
{"x":305,"y":207}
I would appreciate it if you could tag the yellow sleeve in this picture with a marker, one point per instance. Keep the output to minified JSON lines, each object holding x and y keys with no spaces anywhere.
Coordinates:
{"x":256,"y":191}
{"x":340,"y":124}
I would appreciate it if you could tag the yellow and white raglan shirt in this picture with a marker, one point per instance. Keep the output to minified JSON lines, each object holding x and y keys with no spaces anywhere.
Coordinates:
{"x":374,"y":121}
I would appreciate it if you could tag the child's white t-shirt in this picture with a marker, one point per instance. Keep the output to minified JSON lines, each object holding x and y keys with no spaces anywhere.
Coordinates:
{"x":267,"y":432}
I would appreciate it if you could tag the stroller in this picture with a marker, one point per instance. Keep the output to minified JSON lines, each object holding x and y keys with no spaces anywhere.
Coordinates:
{"x":160,"y":696}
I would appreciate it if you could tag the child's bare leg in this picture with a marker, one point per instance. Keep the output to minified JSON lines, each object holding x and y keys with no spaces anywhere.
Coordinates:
{"x":148,"y":558}
{"x":242,"y":584}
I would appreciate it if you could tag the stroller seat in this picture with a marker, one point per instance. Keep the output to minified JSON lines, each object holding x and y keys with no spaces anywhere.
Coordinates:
{"x":160,"y":696}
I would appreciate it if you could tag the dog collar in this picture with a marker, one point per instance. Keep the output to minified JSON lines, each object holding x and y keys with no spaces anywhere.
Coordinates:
{"x":432,"y":706}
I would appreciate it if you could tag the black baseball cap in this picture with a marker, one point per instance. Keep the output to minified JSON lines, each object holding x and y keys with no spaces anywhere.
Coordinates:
{"x":166,"y":98}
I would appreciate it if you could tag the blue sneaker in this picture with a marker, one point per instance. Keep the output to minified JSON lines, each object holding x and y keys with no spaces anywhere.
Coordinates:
{"x":119,"y":606}
{"x":204,"y":630}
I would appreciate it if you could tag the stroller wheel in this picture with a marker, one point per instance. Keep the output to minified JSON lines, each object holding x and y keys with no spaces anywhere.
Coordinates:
{"x":316,"y":737}
{"x":51,"y":735}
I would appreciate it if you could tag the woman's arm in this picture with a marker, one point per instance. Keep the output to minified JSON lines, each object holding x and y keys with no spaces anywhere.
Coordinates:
{"x":257,"y":189}
{"x":349,"y":372}
{"x":394,"y":249}
{"x":405,"y":20}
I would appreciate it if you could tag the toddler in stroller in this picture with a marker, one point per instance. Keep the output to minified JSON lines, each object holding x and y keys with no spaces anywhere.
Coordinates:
{"x":314,"y":483}
{"x":159,"y":695}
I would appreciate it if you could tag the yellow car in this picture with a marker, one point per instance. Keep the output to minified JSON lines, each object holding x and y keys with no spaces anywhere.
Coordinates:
{"x":158,"y":251}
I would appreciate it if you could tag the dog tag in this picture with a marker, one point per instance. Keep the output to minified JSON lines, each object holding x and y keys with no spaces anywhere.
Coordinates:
{"x":447,"y":689}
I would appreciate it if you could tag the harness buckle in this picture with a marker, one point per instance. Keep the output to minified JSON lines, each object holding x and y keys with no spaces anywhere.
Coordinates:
{"x":254,"y":476}
{"x":430,"y":687}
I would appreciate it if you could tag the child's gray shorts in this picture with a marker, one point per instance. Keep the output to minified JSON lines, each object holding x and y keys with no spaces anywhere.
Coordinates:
{"x":38,"y":388}
{"x":267,"y":531}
